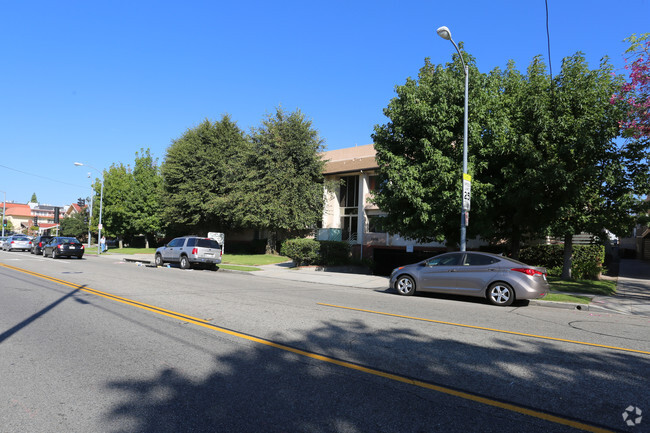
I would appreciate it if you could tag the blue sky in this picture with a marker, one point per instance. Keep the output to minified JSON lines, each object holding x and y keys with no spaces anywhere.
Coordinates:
{"x":95,"y":81}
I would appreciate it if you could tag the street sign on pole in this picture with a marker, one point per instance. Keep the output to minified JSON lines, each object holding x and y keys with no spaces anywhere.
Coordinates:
{"x":99,"y":226}
{"x":467,"y":191}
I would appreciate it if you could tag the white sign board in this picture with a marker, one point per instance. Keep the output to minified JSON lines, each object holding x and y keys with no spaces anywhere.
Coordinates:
{"x":467,"y":191}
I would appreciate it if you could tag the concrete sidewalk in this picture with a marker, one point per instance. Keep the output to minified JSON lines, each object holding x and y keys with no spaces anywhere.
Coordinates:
{"x":632,"y":289}
{"x":632,"y":297}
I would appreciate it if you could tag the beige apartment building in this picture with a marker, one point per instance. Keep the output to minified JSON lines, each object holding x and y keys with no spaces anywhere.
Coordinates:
{"x":350,"y":216}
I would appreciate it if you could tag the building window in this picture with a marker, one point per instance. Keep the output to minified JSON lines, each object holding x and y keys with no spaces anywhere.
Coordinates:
{"x":349,"y":202}
{"x":349,"y":191}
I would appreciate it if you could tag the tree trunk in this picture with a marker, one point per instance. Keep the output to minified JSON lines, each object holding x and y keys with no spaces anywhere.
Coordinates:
{"x":568,"y":257}
{"x":271,"y":240}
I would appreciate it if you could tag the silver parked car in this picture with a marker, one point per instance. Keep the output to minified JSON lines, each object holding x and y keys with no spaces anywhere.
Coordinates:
{"x":499,"y":279}
{"x":17,"y":242}
{"x":189,"y":250}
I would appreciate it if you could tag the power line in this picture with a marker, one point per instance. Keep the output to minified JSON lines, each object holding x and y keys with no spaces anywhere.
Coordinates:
{"x":43,"y":177}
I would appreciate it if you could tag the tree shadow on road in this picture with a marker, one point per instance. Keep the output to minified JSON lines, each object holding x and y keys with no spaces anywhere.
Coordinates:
{"x":260,"y":388}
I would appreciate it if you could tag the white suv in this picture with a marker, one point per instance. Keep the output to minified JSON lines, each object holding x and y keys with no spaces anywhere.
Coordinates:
{"x":188,"y":250}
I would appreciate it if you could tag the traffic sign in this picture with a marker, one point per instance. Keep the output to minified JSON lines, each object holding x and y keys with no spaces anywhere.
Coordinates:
{"x":467,"y":191}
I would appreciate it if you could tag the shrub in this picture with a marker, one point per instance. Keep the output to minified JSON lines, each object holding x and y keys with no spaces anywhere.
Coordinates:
{"x":301,"y":251}
{"x":311,"y":252}
{"x":587,"y":260}
{"x":334,"y":253}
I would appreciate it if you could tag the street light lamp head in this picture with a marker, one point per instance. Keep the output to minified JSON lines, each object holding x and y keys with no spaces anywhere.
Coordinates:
{"x":78,"y":164}
{"x":444,"y":33}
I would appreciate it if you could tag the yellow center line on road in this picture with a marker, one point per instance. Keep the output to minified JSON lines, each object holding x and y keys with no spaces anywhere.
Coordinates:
{"x":107,"y":295}
{"x":421,"y":384}
{"x":503,"y":331}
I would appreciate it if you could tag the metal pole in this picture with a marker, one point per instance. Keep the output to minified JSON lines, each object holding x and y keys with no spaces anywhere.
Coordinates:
{"x":90,"y":219}
{"x":101,"y":201}
{"x":444,"y":33}
{"x":4,"y":204}
{"x":463,"y":224}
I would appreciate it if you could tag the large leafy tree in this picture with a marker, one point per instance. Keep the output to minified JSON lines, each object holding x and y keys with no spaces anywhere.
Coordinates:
{"x":591,"y":189}
{"x":200,"y":171}
{"x":420,"y":153}
{"x":75,"y":226}
{"x":145,"y":201}
{"x":283,"y":189}
{"x":115,"y":205}
{"x":513,"y":154}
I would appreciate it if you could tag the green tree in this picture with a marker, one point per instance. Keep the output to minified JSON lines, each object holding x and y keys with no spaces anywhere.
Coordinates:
{"x":420,"y":153}
{"x":513,"y":155}
{"x":283,"y":189}
{"x":595,"y":177}
{"x":33,"y":199}
{"x":74,"y":225}
{"x":200,"y":171}
{"x":145,"y":203}
{"x":116,"y":204}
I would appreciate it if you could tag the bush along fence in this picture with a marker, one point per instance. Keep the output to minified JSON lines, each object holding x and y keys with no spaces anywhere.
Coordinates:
{"x":311,"y":252}
{"x":587,"y":263}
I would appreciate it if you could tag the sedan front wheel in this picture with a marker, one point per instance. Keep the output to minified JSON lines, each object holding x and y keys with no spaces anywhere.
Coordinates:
{"x":405,"y":285}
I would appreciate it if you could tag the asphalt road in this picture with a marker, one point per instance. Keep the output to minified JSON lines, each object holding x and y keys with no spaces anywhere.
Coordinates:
{"x":97,"y":345}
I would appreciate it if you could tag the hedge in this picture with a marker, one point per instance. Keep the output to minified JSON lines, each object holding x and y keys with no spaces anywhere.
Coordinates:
{"x":587,"y":260}
{"x":312,"y":252}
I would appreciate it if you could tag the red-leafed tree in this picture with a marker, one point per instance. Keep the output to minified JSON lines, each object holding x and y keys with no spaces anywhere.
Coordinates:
{"x":636,"y":92}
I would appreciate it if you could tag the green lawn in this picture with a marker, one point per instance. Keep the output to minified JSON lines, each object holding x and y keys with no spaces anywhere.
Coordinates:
{"x":592,"y":287}
{"x":131,"y":251}
{"x":558,"y":297}
{"x":253,"y":259}
{"x":574,"y":289}
{"x":228,"y":259}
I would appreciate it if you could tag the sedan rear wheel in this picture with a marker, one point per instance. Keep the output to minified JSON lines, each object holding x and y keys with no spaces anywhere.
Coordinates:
{"x":55,"y":255}
{"x":501,"y":294}
{"x":405,"y":285}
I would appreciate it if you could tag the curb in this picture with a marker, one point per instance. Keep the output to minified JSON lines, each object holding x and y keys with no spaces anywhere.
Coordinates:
{"x":572,"y":306}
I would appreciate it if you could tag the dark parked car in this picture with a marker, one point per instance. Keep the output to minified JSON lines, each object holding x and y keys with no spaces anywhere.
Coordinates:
{"x":60,"y":246}
{"x":189,"y":250}
{"x":499,"y":279}
{"x":39,"y":242}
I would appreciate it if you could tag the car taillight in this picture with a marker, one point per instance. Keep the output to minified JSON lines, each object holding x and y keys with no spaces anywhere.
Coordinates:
{"x":60,"y":246}
{"x":528,"y":271}
{"x":195,"y":250}
{"x":13,"y":242}
{"x":40,"y":244}
{"x":82,"y":247}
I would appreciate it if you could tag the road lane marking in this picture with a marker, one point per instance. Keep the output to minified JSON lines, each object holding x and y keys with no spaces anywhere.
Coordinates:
{"x":346,"y":364}
{"x":503,"y":331}
{"x":86,"y":289}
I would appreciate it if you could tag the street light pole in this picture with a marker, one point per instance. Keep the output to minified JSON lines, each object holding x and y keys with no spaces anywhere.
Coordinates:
{"x":101,"y":201}
{"x":445,"y":33}
{"x":4,"y":206}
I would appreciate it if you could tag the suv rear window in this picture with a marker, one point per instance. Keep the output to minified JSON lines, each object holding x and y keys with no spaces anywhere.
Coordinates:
{"x":207,"y":243}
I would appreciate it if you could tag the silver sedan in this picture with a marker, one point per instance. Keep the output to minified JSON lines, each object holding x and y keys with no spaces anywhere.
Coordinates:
{"x":499,"y":279}
{"x":17,"y":242}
